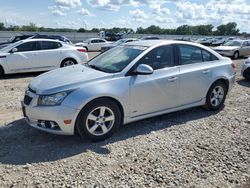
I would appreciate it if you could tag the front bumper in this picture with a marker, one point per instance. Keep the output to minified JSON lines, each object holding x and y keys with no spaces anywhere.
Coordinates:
{"x":34,"y":115}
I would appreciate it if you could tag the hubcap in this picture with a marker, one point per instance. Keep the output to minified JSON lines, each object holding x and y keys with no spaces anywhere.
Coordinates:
{"x":217,"y":96}
{"x":100,"y":121}
{"x":68,"y":63}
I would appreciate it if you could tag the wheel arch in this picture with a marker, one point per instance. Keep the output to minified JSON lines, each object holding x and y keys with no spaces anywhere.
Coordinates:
{"x":1,"y":68}
{"x":117,"y":102}
{"x":222,"y":79}
{"x":66,"y":58}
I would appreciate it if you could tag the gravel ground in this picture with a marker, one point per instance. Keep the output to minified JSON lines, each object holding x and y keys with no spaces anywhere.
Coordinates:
{"x":191,"y":148}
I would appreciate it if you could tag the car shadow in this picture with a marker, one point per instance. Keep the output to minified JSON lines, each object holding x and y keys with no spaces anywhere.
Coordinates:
{"x":244,"y":82}
{"x":22,"y":144}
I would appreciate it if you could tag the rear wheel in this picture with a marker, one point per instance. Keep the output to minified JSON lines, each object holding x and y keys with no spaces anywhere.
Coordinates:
{"x":68,"y":62}
{"x":99,"y":119}
{"x":216,"y":96}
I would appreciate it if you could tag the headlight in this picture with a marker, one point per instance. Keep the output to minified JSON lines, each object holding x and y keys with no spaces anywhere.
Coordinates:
{"x":52,"y":100}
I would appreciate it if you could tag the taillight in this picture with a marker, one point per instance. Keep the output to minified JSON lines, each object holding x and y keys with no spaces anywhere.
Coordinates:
{"x":233,"y":65}
{"x":82,"y":50}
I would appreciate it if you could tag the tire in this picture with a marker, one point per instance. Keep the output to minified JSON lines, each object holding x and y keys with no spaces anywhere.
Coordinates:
{"x":246,"y":74}
{"x":68,"y":62}
{"x":99,"y":120}
{"x":1,"y":72}
{"x":236,"y":55}
{"x":216,"y":96}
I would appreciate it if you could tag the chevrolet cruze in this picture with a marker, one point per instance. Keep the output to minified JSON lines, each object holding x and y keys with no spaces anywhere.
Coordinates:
{"x":128,"y":83}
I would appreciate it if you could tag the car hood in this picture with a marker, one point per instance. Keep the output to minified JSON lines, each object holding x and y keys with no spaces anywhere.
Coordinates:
{"x":3,"y":54}
{"x":109,"y":45}
{"x":68,"y":78}
{"x":226,"y":48}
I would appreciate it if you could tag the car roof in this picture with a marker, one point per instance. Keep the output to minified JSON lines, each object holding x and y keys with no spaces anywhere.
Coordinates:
{"x":149,"y":43}
{"x":96,"y":39}
{"x":50,"y":40}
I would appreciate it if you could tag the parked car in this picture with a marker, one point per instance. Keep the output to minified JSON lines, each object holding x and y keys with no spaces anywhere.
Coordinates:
{"x":128,"y":83}
{"x":13,"y":40}
{"x":221,"y":41}
{"x":54,"y":37}
{"x":234,"y":48}
{"x":39,"y":55}
{"x":117,"y":43}
{"x":93,"y":44}
{"x":245,"y":71}
{"x":150,"y":38}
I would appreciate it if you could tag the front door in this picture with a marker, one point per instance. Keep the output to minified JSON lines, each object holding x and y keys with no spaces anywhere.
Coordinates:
{"x":158,"y":91}
{"x":25,"y":59}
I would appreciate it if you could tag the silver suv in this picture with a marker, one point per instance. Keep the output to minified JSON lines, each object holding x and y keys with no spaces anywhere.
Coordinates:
{"x":127,"y":83}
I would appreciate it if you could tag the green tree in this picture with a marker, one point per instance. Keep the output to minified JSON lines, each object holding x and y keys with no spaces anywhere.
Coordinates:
{"x":227,"y":29}
{"x":2,"y":28}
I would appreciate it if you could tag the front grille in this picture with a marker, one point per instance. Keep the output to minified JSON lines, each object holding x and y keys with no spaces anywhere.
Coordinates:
{"x":27,"y":99}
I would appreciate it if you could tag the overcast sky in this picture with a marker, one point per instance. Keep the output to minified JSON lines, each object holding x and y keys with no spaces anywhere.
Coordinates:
{"x":125,"y":13}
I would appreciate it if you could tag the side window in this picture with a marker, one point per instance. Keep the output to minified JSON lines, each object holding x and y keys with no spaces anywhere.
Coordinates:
{"x":159,"y":58}
{"x":48,"y":45}
{"x":28,"y":46}
{"x":94,"y":41}
{"x":207,"y":56}
{"x":101,"y":41}
{"x":245,"y":43}
{"x":190,"y":54}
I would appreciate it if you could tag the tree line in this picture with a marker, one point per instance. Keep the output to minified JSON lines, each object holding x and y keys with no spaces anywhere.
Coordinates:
{"x":224,"y":29}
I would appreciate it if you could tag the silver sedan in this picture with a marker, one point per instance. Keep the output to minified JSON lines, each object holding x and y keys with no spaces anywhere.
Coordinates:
{"x":127,"y":83}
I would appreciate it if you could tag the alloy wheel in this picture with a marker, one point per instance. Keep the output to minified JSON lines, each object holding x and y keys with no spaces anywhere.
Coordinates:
{"x":100,"y":121}
{"x":217,"y":96}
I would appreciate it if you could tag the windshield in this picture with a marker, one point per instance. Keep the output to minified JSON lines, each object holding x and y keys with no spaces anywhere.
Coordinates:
{"x":120,"y":41}
{"x":116,"y":59}
{"x":232,"y":43}
{"x":10,"y":46}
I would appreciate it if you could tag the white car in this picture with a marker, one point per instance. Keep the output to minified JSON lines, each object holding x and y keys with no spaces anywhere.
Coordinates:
{"x":33,"y":55}
{"x":234,"y":48}
{"x":93,"y":44}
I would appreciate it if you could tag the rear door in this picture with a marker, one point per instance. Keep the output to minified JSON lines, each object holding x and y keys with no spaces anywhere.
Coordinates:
{"x":196,"y":69}
{"x":26,"y":58}
{"x":160,"y":90}
{"x":50,"y":54}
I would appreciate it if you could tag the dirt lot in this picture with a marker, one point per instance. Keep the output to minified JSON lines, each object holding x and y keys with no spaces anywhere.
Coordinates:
{"x":191,"y":148}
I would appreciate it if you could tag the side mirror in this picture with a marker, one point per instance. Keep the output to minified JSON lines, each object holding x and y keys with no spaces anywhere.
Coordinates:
{"x":144,"y":69}
{"x":14,"y":50}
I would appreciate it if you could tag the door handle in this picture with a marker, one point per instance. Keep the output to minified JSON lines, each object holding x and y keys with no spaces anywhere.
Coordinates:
{"x":205,"y":71}
{"x":172,"y":79}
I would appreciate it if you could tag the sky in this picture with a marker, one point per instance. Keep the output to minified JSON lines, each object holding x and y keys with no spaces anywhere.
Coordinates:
{"x":125,"y":13}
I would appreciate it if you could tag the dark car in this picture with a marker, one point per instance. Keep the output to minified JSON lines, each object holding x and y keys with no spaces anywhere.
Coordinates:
{"x":150,"y":38}
{"x":55,"y":37}
{"x":14,"y":39}
{"x":117,"y":43}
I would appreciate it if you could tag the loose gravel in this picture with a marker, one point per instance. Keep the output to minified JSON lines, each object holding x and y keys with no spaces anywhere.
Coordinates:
{"x":190,"y":148}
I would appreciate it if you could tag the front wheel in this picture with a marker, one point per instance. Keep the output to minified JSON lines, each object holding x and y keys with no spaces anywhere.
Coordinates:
{"x":99,"y":120}
{"x":216,"y":96}
{"x":236,"y":55}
